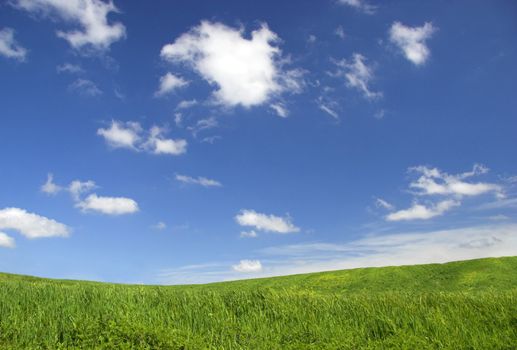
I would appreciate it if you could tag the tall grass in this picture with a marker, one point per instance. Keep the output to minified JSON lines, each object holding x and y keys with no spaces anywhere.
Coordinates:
{"x":46,"y":314}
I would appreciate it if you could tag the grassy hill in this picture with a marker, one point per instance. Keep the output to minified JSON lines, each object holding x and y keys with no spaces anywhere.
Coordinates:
{"x":461,"y":305}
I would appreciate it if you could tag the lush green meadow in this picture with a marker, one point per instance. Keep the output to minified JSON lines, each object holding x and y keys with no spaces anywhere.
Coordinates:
{"x":460,"y":305}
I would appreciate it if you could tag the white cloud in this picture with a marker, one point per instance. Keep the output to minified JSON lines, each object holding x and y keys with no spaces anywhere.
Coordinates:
{"x":264,"y":222}
{"x":248,"y":234}
{"x":121,"y":135}
{"x":202,"y":181}
{"x":435,"y":182}
{"x":312,"y":39}
{"x":203,"y":124}
{"x":422,"y":212}
{"x":132,"y":136}
{"x":186,"y":104}
{"x":379,"y":114}
{"x":340,"y":32}
{"x":412,"y":41}
{"x":69,"y":68}
{"x":358,"y":75}
{"x":248,"y":266}
{"x":157,"y":144}
{"x":381,"y":203}
{"x":108,"y":205}
{"x":105,"y":205}
{"x":9,"y":47}
{"x":279,"y":109}
{"x":90,"y":15}
{"x":247,"y":72}
{"x":211,"y":139}
{"x":360,"y":5}
{"x":498,"y":217}
{"x":499,"y":204}
{"x":31,"y":225}
{"x":168,"y":83}
{"x":49,"y":187}
{"x":178,"y":119}
{"x":6,"y":241}
{"x":401,"y":248}
{"x":159,"y":226}
{"x":328,"y":107}
{"x":85,"y":87}
{"x":77,"y":188}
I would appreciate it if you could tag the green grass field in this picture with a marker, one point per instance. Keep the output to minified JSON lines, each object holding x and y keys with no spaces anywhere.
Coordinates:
{"x":460,"y":305}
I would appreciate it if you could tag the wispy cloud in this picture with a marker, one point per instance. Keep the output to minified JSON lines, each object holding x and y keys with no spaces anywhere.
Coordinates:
{"x":360,"y":5}
{"x":9,"y":47}
{"x":358,"y":75}
{"x":406,"y":248}
{"x":85,"y":87}
{"x":69,"y":68}
{"x":202,"y":181}
{"x":90,"y":15}
{"x":451,"y":189}
{"x":422,"y":212}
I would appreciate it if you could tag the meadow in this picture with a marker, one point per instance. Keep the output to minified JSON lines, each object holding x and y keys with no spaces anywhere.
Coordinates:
{"x":459,"y":305}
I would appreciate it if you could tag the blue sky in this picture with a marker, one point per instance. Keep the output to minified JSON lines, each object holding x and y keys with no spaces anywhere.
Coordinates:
{"x":198,"y":141}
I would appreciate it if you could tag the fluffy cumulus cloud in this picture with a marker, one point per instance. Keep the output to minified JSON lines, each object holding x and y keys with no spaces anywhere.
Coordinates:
{"x":358,"y":75}
{"x":9,"y":47}
{"x":49,"y":187}
{"x":248,"y":266}
{"x":412,"y":41}
{"x":422,"y":212}
{"x":93,"y":203}
{"x":132,"y":136}
{"x":31,"y":225}
{"x":108,"y":205}
{"x":360,"y":5}
{"x":158,"y":144}
{"x":6,"y":241}
{"x":168,"y":83}
{"x":264,"y":222}
{"x":442,"y":192}
{"x":246,"y":72}
{"x":201,"y":181}
{"x":121,"y":135}
{"x":91,"y":16}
